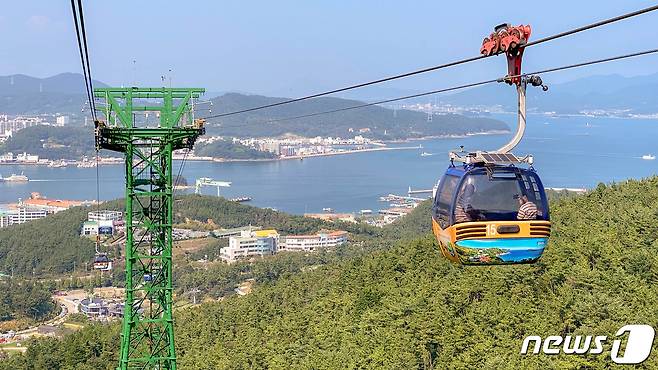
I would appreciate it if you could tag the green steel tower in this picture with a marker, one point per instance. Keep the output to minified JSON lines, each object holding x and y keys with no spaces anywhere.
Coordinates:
{"x":147,"y":336}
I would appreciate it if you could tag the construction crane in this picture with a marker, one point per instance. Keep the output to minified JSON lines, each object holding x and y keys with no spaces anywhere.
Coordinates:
{"x":207,"y":181}
{"x":147,"y":335}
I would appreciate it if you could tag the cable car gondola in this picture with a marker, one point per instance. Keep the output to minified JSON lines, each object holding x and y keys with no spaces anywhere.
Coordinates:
{"x":102,"y":262}
{"x":491,"y":210}
{"x":475,"y":216}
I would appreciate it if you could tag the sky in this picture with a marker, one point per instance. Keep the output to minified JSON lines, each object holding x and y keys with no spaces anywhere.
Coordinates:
{"x":290,"y":48}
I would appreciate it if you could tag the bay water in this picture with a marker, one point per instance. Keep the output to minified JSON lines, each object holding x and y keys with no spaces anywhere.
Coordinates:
{"x":574,"y":152}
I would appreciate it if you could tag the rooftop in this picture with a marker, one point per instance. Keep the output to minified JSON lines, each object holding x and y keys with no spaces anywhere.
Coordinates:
{"x":264,"y":233}
{"x":329,"y":233}
{"x":55,"y":203}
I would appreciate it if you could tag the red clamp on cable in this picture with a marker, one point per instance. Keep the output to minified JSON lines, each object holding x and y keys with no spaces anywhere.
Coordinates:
{"x":511,"y":41}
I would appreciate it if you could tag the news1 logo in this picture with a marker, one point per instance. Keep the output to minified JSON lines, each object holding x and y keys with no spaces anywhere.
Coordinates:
{"x":637,"y":349}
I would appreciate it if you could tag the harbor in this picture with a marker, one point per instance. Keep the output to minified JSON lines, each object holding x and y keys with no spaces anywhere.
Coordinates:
{"x":351,"y":183}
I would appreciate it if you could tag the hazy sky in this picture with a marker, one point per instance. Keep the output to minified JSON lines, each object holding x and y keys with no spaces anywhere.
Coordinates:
{"x":289,"y":48}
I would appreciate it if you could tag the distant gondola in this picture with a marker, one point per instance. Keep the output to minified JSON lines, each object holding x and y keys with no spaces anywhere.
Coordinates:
{"x":102,"y":262}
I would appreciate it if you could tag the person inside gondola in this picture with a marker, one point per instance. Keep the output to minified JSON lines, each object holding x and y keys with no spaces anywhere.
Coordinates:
{"x":463,"y":209}
{"x":527,"y":209}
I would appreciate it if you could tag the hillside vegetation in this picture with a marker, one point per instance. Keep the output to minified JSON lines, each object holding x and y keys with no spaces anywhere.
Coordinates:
{"x":52,"y":142}
{"x":24,"y":299}
{"x":405,"y":306}
{"x":226,"y":214}
{"x":52,"y":245}
{"x":229,"y":150}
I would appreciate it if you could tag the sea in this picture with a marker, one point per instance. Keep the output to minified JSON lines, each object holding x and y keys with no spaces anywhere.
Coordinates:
{"x":569,"y":152}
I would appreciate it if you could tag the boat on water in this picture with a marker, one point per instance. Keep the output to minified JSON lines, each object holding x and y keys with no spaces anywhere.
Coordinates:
{"x":327,"y":209}
{"x":15,"y":178}
{"x":425,"y":154}
{"x":57,"y":164}
{"x":649,"y":157}
{"x":86,"y":164}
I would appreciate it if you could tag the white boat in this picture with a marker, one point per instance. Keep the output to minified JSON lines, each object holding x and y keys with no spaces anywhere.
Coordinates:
{"x":57,"y":164}
{"x":425,"y":154}
{"x":649,"y":157}
{"x":327,"y":209}
{"x":15,"y":178}
{"x":86,"y":164}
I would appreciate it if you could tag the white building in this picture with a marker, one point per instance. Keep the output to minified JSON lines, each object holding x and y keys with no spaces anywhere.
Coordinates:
{"x":63,"y":120}
{"x":7,"y":157}
{"x":310,"y":243}
{"x":27,"y":158}
{"x":14,"y":124}
{"x":20,"y":215}
{"x":105,"y":215}
{"x":89,"y":228}
{"x":102,"y":222}
{"x":250,"y":244}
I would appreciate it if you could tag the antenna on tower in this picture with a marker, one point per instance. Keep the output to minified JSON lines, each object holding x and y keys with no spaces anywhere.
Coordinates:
{"x":134,"y":72}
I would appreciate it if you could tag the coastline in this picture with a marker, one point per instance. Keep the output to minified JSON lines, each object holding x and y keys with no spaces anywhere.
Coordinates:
{"x":650,"y":116}
{"x":454,"y":136}
{"x":229,"y":160}
{"x":380,"y":149}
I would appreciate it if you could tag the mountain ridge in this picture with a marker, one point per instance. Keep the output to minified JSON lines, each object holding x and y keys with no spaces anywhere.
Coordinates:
{"x":634,"y":95}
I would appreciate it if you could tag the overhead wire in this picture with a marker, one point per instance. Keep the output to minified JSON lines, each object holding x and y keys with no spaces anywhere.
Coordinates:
{"x":178,"y":177}
{"x":465,"y":86}
{"x":593,"y":25}
{"x":180,"y":171}
{"x":441,"y":66}
{"x":81,"y":35}
{"x":86,"y":49}
{"x":82,"y":51}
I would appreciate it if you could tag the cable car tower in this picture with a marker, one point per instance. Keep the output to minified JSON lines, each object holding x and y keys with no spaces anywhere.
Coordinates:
{"x":147,"y":335}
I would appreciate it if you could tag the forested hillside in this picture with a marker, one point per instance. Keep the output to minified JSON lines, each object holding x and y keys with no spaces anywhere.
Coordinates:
{"x":24,"y":300}
{"x":52,"y":245}
{"x":405,"y":307}
{"x":226,"y":214}
{"x":229,"y":150}
{"x":52,"y":142}
{"x":69,"y":142}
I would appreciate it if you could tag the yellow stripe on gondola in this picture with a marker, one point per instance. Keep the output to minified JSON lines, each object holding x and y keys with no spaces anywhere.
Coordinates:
{"x":483,"y":230}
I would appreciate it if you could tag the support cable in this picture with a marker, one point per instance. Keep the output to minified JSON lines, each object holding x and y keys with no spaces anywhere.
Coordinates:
{"x":78,"y":20}
{"x":86,"y":49}
{"x":474,"y":84}
{"x":82,"y":59}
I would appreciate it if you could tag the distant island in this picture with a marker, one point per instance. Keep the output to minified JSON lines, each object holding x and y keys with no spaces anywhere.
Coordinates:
{"x":374,"y":122}
{"x":258,"y":135}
